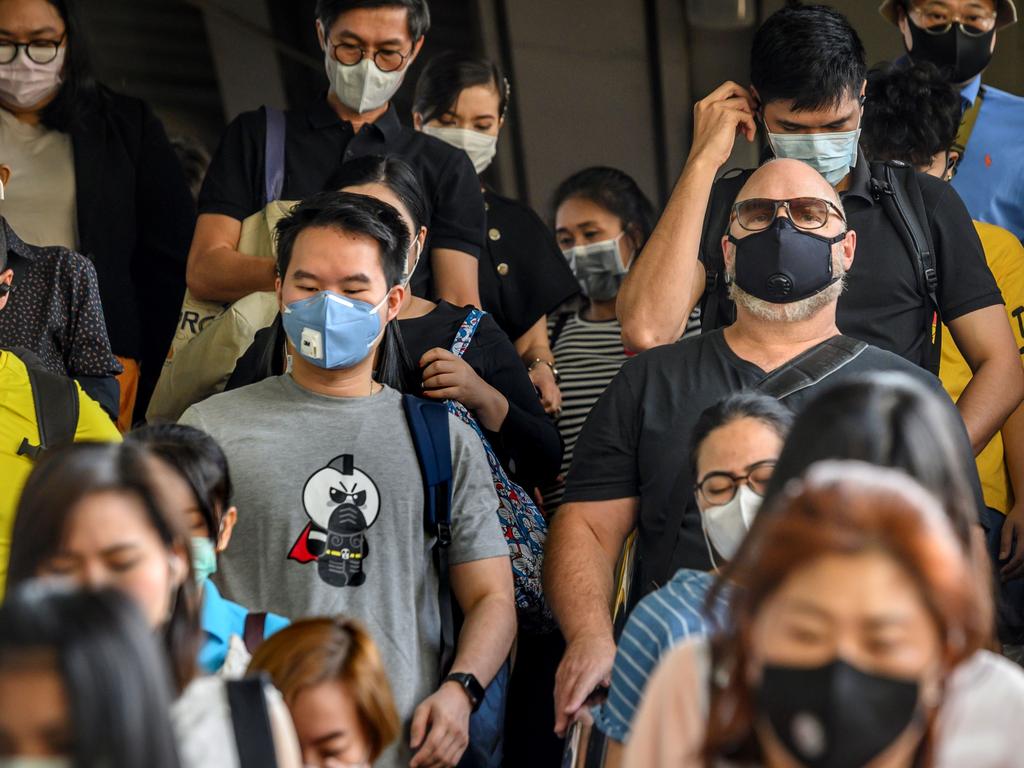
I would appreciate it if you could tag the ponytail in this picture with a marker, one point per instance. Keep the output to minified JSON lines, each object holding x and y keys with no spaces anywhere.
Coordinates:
{"x":395,"y":368}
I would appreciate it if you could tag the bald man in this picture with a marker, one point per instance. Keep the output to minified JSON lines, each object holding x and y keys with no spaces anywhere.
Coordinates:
{"x":787,"y":251}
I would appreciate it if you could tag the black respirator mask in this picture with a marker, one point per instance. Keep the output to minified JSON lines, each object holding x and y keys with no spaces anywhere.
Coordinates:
{"x":784,"y":264}
{"x":960,"y":56}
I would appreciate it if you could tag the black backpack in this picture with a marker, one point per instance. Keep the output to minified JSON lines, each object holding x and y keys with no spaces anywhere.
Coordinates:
{"x":893,"y":184}
{"x":55,"y":398}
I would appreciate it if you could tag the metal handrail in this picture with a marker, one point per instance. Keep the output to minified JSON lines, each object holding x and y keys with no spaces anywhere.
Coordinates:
{"x":240,"y":21}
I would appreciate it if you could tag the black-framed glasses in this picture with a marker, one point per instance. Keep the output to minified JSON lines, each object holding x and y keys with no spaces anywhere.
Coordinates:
{"x":38,"y":51}
{"x":718,"y":488}
{"x":386,"y":59}
{"x":758,"y":213}
{"x":937,"y":18}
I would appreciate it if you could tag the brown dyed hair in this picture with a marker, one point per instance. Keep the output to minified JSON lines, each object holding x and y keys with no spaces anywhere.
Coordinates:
{"x":315,"y":651}
{"x":841,"y":508}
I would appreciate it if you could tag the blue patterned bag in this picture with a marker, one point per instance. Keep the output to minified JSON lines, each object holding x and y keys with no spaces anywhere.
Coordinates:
{"x":521,"y":521}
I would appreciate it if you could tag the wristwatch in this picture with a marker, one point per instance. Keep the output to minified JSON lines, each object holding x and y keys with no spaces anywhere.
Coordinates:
{"x":470,"y":685}
{"x":549,"y":364}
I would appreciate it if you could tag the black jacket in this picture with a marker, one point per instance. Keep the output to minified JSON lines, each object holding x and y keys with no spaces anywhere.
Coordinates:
{"x":135,"y":222}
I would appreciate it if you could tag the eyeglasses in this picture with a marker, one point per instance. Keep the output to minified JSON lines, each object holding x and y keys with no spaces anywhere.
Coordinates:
{"x":387,"y":60}
{"x":938,"y":18}
{"x":719,"y":488}
{"x":39,"y":51}
{"x":758,"y":213}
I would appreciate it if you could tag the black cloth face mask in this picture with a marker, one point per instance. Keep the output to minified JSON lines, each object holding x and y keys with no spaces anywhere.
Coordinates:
{"x":783,"y":264}
{"x":960,"y":56}
{"x":835,"y":716}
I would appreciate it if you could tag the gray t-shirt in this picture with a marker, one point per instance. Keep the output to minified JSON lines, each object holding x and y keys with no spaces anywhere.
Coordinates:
{"x":330,"y":517}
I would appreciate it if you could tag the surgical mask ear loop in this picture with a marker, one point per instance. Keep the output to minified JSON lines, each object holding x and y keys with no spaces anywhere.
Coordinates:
{"x":416,"y":262}
{"x":707,"y":540}
{"x":3,"y":193}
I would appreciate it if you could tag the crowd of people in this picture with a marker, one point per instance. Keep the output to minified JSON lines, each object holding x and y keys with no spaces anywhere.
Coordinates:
{"x":318,"y":451}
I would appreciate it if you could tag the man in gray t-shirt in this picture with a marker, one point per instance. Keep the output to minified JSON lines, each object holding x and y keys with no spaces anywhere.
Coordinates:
{"x":329,"y":487}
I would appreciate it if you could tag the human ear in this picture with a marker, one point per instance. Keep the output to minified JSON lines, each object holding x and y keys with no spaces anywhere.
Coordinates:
{"x":227,"y":527}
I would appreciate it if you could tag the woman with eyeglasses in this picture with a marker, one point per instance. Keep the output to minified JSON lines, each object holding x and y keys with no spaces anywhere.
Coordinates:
{"x":733,"y":451}
{"x":94,"y":172}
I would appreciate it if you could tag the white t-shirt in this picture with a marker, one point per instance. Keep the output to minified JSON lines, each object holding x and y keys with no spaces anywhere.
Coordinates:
{"x":40,"y":201}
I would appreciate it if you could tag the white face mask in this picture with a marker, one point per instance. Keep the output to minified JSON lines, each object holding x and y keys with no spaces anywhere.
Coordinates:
{"x":23,"y":83}
{"x":830,"y":154}
{"x":726,"y":526}
{"x":362,"y":87}
{"x":598,"y":268}
{"x":479,"y":146}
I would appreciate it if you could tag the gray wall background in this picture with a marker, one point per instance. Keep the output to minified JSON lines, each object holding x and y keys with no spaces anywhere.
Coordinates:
{"x":587,"y":75}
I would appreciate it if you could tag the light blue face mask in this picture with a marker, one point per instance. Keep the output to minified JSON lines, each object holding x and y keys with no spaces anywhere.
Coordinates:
{"x":332,"y":331}
{"x":204,"y":558}
{"x":830,"y":154}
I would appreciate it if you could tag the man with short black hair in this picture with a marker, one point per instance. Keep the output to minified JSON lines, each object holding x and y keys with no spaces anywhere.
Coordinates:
{"x":327,"y":478}
{"x":920,"y":261}
{"x":368,"y":47}
{"x":959,"y":37}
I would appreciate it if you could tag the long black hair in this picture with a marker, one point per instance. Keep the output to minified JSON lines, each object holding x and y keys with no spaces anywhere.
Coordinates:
{"x":395,"y":174}
{"x":198,"y":459}
{"x":77,"y":93}
{"x":114,"y":678}
{"x":616,"y":192}
{"x":68,"y":475}
{"x":447,"y":75}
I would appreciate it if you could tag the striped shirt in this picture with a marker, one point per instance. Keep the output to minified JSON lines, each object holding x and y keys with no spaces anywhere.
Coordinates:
{"x":660,"y":621}
{"x":588,"y":353}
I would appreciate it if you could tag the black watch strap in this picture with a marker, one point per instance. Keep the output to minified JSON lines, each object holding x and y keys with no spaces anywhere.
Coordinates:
{"x":470,"y":685}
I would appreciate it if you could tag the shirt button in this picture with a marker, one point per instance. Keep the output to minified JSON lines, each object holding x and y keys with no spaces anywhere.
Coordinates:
{"x":494,"y":234}
{"x":503,"y":269}
{"x":487,"y":206}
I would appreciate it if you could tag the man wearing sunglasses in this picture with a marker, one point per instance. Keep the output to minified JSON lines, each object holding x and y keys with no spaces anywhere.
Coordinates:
{"x":787,"y":250}
{"x":920,"y":262}
{"x":959,"y":36}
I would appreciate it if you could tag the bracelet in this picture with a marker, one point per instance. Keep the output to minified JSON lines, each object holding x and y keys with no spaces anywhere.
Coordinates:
{"x":549,"y":364}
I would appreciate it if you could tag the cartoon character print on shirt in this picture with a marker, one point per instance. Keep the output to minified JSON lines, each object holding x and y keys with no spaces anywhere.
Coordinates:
{"x":342,"y":503}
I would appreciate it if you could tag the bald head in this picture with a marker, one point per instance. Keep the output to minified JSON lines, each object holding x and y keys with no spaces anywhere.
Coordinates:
{"x":784,"y":179}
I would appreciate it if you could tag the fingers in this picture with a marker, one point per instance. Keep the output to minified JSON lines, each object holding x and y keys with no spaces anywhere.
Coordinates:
{"x":1014,"y":567}
{"x":573,"y":684}
{"x":731,"y":90}
{"x":440,"y":381}
{"x":420,"y":721}
{"x":435,"y":354}
{"x":446,"y":393}
{"x":443,"y":747}
{"x":1006,"y":539}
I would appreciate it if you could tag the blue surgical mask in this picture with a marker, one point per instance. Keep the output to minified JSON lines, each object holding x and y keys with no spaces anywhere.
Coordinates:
{"x":830,"y":154}
{"x":333,"y":331}
{"x":204,"y":558}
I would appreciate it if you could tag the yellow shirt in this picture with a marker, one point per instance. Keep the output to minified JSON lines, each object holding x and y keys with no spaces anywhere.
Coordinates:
{"x":1005,"y":256}
{"x":18,"y":421}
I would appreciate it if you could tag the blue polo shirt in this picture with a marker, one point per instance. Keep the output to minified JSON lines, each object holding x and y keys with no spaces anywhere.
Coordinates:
{"x":220,"y":620}
{"x":990,"y":176}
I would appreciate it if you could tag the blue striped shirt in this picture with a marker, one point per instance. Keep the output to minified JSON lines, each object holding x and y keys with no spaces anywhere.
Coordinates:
{"x":659,"y":622}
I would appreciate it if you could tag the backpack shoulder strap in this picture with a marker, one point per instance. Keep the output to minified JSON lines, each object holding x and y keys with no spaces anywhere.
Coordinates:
{"x":896,"y":186}
{"x":254,"y":630}
{"x":250,"y":721}
{"x":57,"y":408}
{"x":716,"y":310}
{"x":428,"y":424}
{"x":812,"y":367}
{"x":273,"y":155}
{"x":557,"y":328}
{"x":464,"y":336}
{"x":967,"y":123}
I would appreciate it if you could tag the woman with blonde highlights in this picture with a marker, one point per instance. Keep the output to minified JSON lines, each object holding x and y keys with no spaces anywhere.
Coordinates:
{"x":332,"y":678}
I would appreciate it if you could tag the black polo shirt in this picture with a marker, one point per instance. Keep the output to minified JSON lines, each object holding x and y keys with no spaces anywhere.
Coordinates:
{"x":318,"y":142}
{"x":883,"y":303}
{"x":523,"y":274}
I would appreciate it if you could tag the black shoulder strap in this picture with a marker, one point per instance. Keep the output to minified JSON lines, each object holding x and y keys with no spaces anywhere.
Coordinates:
{"x":557,"y":328}
{"x":811,"y":367}
{"x":428,"y":423}
{"x":896,"y":186}
{"x":254,"y":630}
{"x":56,"y":403}
{"x":716,"y":310}
{"x":250,"y":721}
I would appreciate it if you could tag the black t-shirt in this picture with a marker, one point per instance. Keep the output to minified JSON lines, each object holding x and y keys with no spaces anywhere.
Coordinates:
{"x":528,"y":444}
{"x":523,"y":274}
{"x":883,"y":303}
{"x":636,"y":441}
{"x":317,"y":143}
